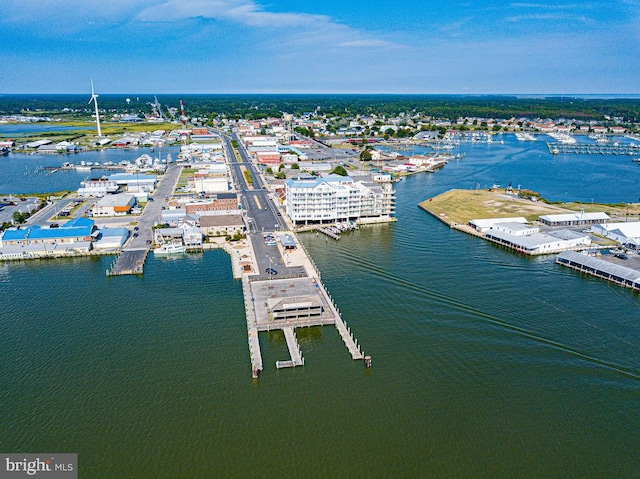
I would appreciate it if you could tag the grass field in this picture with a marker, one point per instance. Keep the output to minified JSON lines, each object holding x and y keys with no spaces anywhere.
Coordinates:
{"x":461,"y":206}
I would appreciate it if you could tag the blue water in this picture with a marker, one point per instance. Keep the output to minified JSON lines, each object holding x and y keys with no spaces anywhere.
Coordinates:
{"x":485,"y":363}
{"x":14,"y":130}
{"x":584,"y":178}
{"x":23,"y":173}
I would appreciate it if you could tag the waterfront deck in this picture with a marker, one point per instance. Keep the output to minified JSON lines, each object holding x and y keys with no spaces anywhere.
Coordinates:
{"x":129,"y":262}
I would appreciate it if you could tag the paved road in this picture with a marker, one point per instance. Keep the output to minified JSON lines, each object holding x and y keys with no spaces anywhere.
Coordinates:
{"x":152,"y":211}
{"x":256,"y":200}
{"x":263,"y":215}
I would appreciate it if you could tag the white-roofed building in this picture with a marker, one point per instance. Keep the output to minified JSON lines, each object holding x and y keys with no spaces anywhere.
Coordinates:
{"x":574,"y":219}
{"x":623,"y":233}
{"x":484,"y":225}
{"x":114,"y":205}
{"x":541,"y":243}
{"x":338,"y":199}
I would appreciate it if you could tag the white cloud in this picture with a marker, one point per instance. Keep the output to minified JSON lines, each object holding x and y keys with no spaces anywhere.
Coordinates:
{"x":551,"y":17}
{"x":245,"y":12}
{"x":366,"y":43}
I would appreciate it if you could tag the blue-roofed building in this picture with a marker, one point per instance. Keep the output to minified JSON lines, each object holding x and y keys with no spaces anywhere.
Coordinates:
{"x":111,"y":238}
{"x":78,"y":230}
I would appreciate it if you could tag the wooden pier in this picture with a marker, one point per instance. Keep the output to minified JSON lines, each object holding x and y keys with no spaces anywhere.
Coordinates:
{"x":291,"y":303}
{"x":129,"y":262}
{"x":349,"y":341}
{"x":294,"y":350}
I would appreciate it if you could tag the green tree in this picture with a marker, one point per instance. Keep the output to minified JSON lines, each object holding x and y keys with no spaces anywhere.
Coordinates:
{"x":339,"y":170}
{"x":295,"y":166}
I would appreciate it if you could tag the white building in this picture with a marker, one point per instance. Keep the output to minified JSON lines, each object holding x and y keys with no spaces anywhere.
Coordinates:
{"x":340,"y":198}
{"x":114,"y":205}
{"x":135,"y":182}
{"x":541,"y":243}
{"x":575,"y":219}
{"x":484,"y":225}
{"x":111,"y":238}
{"x":97,"y":188}
{"x":516,"y":229}
{"x":623,"y":233}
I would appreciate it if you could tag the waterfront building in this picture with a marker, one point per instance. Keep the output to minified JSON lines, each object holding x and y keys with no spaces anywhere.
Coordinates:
{"x":484,"y":225}
{"x":34,"y":241}
{"x":97,"y":187}
{"x":186,"y":232}
{"x":219,"y":225}
{"x":135,"y":182}
{"x":110,"y":238}
{"x":615,"y":273}
{"x":541,"y":243}
{"x":574,"y":219}
{"x":339,"y":199}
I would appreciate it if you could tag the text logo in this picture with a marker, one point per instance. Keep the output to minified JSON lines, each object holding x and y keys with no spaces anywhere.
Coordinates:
{"x":46,"y":466}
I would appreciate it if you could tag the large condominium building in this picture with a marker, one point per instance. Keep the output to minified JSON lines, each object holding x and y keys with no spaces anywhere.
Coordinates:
{"x":365,"y":199}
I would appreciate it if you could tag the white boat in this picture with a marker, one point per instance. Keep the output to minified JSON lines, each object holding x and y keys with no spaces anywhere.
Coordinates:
{"x":169,"y":249}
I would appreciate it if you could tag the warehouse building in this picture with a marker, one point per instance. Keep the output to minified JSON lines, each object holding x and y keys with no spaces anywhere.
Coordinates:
{"x":114,"y":205}
{"x":574,"y":219}
{"x":623,"y":233}
{"x":541,"y":243}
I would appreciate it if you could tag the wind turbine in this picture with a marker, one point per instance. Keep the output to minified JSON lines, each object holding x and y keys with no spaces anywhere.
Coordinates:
{"x":94,"y":99}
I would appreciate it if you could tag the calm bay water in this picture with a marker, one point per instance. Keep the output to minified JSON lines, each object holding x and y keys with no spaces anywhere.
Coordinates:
{"x":23,"y":173}
{"x":485,"y":363}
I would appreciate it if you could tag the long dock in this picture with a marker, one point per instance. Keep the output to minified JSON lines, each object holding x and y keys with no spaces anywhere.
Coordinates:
{"x":349,"y":340}
{"x":592,"y":149}
{"x":290,"y":303}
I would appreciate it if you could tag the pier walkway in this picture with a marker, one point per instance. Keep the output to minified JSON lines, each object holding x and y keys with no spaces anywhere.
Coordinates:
{"x":294,"y":350}
{"x":129,"y":262}
{"x":290,"y":303}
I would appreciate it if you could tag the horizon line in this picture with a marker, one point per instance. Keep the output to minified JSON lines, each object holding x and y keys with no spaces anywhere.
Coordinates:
{"x":574,"y":94}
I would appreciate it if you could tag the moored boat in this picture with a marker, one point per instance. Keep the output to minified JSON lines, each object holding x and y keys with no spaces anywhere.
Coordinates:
{"x":169,"y":249}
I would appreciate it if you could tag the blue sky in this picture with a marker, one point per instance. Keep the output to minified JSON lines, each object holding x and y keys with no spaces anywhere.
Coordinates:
{"x":280,"y":46}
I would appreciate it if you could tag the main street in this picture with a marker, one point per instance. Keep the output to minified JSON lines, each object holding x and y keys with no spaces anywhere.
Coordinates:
{"x":262,"y":213}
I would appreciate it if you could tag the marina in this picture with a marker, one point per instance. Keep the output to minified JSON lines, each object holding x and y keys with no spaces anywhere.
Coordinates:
{"x":629,"y":149}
